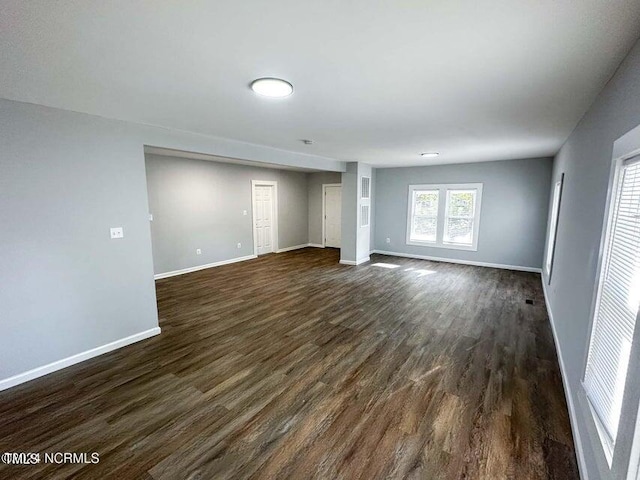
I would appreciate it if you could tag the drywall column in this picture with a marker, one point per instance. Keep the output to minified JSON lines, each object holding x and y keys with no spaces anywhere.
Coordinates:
{"x":355,"y":238}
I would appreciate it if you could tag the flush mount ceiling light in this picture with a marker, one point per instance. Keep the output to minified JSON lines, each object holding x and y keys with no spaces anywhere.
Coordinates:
{"x":272,"y":87}
{"x":429,"y":154}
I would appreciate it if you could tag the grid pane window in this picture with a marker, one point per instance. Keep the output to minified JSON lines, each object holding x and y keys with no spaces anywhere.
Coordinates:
{"x":425,"y":215}
{"x":444,"y":216}
{"x":460,"y":217}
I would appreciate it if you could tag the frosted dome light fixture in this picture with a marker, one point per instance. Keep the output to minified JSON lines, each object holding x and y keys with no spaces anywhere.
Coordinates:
{"x":272,"y":87}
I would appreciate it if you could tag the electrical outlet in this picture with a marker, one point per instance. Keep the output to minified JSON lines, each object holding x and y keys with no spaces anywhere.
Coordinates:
{"x":198,"y":251}
{"x":244,"y":212}
{"x":239,"y":245}
{"x":388,"y":240}
{"x":117,"y":232}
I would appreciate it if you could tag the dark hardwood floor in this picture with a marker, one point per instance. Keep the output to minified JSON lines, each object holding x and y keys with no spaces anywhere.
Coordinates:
{"x":292,"y":366}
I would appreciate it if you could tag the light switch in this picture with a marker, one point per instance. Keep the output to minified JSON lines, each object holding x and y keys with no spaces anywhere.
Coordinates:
{"x":117,"y":232}
{"x":151,"y":217}
{"x":244,"y":212}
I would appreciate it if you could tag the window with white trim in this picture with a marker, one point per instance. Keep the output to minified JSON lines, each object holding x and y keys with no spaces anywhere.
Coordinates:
{"x":616,"y":306}
{"x":553,"y":226}
{"x":444,"y":216}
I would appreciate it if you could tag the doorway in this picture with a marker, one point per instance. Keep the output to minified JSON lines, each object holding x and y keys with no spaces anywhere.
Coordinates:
{"x":264,"y":200}
{"x":331,"y":215}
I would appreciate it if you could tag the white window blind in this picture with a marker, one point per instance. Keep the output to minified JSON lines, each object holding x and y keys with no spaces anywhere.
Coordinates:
{"x":617,"y":303}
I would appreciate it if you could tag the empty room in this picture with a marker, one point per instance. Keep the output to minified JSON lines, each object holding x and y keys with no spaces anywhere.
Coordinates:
{"x":320,"y":240}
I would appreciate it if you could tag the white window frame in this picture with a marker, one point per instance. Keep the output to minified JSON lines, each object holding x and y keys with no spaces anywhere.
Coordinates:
{"x":608,"y":443}
{"x":553,"y":226}
{"x":620,"y":461}
{"x":442,"y":210}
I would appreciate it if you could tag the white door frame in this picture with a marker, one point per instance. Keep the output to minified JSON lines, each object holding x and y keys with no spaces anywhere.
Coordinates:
{"x":324,"y":212}
{"x":274,"y":216}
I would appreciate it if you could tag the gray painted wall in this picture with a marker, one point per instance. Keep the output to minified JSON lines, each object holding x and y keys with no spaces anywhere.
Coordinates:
{"x":65,"y":179}
{"x":586,"y":161}
{"x":199,"y":204}
{"x":314,"y":186}
{"x":355,"y":239}
{"x":513,"y":215}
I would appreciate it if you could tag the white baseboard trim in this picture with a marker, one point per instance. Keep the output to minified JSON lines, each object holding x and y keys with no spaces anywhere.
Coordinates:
{"x":577,"y":440}
{"x":351,"y":262}
{"x":295,"y":247}
{"x":462,"y":262}
{"x":202,"y":267}
{"x":72,"y":360}
{"x":315,"y":245}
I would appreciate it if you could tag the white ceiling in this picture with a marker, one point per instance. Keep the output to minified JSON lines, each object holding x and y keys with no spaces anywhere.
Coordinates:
{"x":374,"y":81}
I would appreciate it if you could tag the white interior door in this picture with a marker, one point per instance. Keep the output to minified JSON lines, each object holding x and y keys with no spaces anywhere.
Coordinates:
{"x":263,"y":208}
{"x":332,"y":216}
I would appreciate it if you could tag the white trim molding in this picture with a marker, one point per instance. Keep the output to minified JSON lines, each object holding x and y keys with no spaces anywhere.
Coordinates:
{"x":462,"y":262}
{"x":351,"y":262}
{"x":79,"y":357}
{"x":573,"y":416}
{"x":295,"y":247}
{"x":203,"y":267}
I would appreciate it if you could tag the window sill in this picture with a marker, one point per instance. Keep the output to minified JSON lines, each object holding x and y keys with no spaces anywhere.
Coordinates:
{"x":448,"y":246}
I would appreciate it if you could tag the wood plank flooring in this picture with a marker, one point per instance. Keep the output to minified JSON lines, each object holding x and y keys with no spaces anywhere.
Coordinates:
{"x":293,"y":366}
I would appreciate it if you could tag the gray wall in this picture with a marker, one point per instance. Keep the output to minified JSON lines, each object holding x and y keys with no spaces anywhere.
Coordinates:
{"x":586,"y":161}
{"x":513,"y":215}
{"x":199,"y":204}
{"x":355,"y":239}
{"x":314,"y":186}
{"x":65,"y":178}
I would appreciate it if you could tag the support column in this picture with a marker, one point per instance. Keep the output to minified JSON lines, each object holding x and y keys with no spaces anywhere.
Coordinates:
{"x":356,"y":233}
